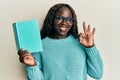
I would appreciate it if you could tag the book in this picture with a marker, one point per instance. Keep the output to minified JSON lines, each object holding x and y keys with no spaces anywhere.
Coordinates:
{"x":27,"y":35}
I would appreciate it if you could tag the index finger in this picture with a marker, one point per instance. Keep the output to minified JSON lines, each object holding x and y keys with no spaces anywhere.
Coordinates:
{"x":93,"y":31}
{"x":84,"y":27}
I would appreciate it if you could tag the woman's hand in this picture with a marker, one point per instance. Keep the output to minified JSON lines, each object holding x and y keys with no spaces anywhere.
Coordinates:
{"x":26,"y":58}
{"x":87,"y":38}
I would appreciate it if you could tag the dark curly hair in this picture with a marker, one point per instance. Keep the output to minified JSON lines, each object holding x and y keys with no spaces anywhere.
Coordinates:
{"x":48,"y":23}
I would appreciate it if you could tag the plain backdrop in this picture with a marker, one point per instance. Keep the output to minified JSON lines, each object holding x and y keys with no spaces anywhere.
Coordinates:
{"x":102,"y":14}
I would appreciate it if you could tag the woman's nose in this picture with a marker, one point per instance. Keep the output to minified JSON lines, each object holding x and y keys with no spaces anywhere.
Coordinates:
{"x":64,"y":21}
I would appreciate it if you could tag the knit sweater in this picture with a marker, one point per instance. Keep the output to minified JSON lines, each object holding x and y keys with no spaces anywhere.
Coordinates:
{"x":65,"y":59}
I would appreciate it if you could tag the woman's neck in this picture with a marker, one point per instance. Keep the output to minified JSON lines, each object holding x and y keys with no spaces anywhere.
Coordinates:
{"x":55,"y":36}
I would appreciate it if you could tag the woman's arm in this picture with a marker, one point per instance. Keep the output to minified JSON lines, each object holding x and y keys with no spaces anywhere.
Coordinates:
{"x":35,"y":72}
{"x":94,"y":63}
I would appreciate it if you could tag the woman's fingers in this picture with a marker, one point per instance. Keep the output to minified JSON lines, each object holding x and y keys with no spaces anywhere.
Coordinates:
{"x":26,"y":58}
{"x":88,"y":29}
{"x":84,"y":27}
{"x":93,"y":31}
{"x":20,"y":51}
{"x":22,"y":57}
{"x":82,"y":36}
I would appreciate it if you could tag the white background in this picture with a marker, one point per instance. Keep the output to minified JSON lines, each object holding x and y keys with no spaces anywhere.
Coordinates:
{"x":102,"y":14}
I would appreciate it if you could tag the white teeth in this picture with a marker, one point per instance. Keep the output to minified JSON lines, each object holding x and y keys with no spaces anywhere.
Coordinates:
{"x":63,"y":29}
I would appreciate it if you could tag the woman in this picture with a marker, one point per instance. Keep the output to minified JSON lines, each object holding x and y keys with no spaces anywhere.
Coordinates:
{"x":66,"y":55}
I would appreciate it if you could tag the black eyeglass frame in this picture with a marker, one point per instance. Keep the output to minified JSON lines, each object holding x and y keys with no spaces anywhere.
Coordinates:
{"x":69,"y":20}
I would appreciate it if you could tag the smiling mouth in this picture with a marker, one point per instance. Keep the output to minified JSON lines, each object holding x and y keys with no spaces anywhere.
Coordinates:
{"x":63,"y":29}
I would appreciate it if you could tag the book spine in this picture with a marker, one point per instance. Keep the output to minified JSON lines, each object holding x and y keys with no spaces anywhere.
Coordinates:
{"x":16,"y":36}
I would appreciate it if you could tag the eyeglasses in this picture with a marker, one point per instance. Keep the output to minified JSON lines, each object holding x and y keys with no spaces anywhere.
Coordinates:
{"x":68,"y":20}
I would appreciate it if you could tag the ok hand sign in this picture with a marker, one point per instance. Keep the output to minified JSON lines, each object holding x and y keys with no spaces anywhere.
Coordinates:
{"x":87,"y":38}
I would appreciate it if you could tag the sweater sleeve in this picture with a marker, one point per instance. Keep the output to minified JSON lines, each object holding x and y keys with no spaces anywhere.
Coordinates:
{"x":94,"y":63}
{"x":35,"y":72}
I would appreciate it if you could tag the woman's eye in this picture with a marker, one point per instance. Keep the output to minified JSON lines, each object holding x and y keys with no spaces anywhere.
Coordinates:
{"x":59,"y":17}
{"x":68,"y":19}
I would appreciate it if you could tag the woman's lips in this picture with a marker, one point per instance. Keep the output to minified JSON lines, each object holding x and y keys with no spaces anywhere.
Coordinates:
{"x":63,"y":29}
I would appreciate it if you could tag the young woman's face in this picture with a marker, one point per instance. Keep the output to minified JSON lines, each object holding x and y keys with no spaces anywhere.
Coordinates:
{"x":63,"y":22}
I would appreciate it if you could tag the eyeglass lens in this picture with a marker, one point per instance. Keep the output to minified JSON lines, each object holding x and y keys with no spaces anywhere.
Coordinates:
{"x":61,"y":19}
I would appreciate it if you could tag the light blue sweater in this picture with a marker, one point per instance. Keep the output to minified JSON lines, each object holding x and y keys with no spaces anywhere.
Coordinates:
{"x":65,"y":59}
